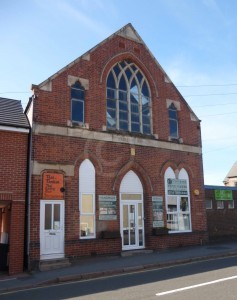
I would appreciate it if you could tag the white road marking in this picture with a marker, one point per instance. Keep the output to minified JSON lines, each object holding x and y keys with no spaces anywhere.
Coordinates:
{"x":7,"y":279}
{"x":195,"y":286}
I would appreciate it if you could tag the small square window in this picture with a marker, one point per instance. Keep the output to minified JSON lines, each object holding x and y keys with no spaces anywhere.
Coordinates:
{"x":208,"y":204}
{"x":220,"y":204}
{"x":231,"y":204}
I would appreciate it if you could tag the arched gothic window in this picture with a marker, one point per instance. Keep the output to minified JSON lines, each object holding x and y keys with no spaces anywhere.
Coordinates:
{"x":87,"y":199}
{"x":128,"y":99}
{"x":177,"y":196}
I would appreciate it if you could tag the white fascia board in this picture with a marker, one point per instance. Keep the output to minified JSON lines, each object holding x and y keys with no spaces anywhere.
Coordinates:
{"x":15,"y":129}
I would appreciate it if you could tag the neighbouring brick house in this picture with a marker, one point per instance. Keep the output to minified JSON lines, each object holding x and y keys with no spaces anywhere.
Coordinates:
{"x":14,"y":132}
{"x":221,"y":208}
{"x":116,"y":158}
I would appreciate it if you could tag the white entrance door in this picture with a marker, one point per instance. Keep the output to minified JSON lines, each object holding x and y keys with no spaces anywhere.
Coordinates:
{"x":131,"y":212}
{"x":132,"y":225}
{"x":51,"y":229}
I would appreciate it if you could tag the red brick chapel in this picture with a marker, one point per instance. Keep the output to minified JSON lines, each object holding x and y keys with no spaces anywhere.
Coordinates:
{"x":116,"y":163}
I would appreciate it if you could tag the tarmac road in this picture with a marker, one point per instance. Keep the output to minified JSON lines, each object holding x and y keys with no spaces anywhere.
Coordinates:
{"x":211,"y":279}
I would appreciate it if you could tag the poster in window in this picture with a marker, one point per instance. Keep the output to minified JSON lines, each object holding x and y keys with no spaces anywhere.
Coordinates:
{"x":157,"y":211}
{"x":107,"y":207}
{"x":177,"y":186}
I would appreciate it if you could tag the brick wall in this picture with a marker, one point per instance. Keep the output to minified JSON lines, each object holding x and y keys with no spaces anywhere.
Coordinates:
{"x":222,"y":223}
{"x":13,"y":166}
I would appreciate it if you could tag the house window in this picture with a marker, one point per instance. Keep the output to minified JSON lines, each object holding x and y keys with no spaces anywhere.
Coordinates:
{"x":173,"y":121}
{"x":231,"y":204}
{"x":220,"y":204}
{"x":177,"y":201}
{"x":208,"y":204}
{"x":77,"y":102}
{"x":87,"y":199}
{"x":128,"y":99}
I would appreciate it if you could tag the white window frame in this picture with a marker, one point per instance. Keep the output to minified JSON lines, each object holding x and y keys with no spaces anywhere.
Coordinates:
{"x":182,"y":175}
{"x":210,"y":201}
{"x":87,"y":214}
{"x":220,"y":202}
{"x":87,"y":187}
{"x":231,"y":206}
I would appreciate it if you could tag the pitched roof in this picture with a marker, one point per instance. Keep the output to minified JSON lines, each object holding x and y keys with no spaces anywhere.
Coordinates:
{"x":11,"y":113}
{"x":232,"y":172}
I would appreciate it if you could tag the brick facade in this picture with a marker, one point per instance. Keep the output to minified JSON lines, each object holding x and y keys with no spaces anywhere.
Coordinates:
{"x":13,"y":166}
{"x":60,"y":146}
{"x":221,"y":222}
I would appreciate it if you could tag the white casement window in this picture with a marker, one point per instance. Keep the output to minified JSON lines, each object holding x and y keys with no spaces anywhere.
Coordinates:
{"x":208,"y":203}
{"x":220,"y":204}
{"x":87,"y":199}
{"x":128,"y":99}
{"x":177,"y":201}
{"x":231,"y":204}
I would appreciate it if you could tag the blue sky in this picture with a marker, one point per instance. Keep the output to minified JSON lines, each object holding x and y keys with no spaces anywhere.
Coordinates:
{"x":195,"y":41}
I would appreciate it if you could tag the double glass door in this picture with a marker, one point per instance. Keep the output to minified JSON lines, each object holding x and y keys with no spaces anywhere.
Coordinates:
{"x":132,"y":225}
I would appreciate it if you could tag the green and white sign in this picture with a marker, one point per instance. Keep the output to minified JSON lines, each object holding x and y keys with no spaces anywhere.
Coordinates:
{"x":107,"y":207}
{"x":223,"y":195}
{"x":177,"y":186}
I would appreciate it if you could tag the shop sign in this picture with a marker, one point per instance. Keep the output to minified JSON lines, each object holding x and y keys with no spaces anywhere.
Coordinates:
{"x":53,"y":186}
{"x":223,"y":195}
{"x":177,"y":186}
{"x":107,"y":207}
{"x":157,"y":211}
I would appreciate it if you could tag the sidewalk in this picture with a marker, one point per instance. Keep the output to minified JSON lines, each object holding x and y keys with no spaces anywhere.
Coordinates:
{"x":93,"y":267}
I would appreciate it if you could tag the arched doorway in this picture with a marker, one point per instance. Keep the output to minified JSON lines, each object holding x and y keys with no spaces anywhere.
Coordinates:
{"x":131,"y":212}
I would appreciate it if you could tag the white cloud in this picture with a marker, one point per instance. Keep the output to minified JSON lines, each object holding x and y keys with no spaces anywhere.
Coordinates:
{"x":80,"y":11}
{"x":82,"y":18}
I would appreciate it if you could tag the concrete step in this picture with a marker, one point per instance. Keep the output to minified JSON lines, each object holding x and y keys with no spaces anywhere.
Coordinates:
{"x":135,"y":252}
{"x":53,"y":264}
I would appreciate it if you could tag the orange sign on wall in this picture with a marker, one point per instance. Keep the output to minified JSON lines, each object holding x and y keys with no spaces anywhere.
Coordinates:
{"x":53,"y":186}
